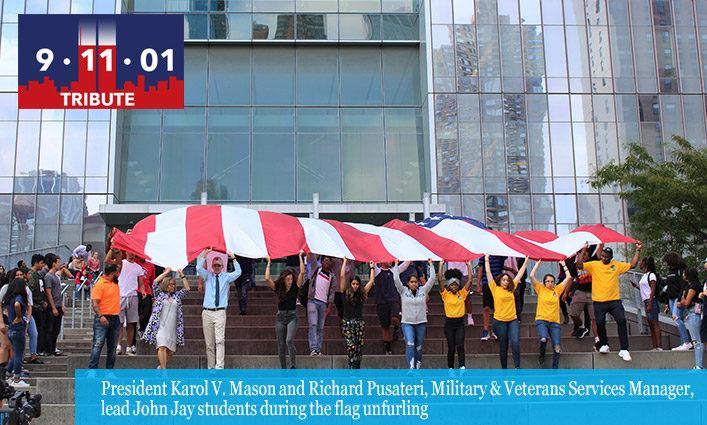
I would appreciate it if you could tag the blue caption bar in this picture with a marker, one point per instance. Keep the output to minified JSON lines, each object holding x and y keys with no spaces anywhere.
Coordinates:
{"x":396,"y":397}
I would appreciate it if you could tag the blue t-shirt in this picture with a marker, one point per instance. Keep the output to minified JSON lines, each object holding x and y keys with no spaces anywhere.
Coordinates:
{"x":496,"y":267}
{"x":11,"y":314}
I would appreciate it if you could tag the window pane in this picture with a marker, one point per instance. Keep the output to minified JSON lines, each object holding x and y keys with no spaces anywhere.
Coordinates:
{"x":361,"y":76}
{"x":466,"y":56}
{"x":97,"y":149}
{"x":187,"y":120}
{"x":273,"y":155}
{"x":187,"y":5}
{"x":228,"y":167}
{"x":317,"y":76}
{"x":402,"y":78}
{"x":401,"y":27}
{"x":318,"y":27}
{"x":195,"y":61}
{"x":47,"y":209}
{"x":71,"y":209}
{"x":273,"y":76}
{"x":405,"y":154}
{"x":363,"y":154}
{"x":195,"y":26}
{"x":8,"y":135}
{"x":412,"y":6}
{"x":543,"y":210}
{"x":231,"y":5}
{"x":229,"y":76}
{"x":139,"y":159}
{"x":274,"y":5}
{"x":273,"y":27}
{"x":51,"y":146}
{"x":360,"y":27}
{"x":229,"y":26}
{"x":316,"y":6}
{"x":359,"y":5}
{"x":318,"y":167}
{"x":74,"y":149}
{"x":182,"y":180}
{"x":229,"y":120}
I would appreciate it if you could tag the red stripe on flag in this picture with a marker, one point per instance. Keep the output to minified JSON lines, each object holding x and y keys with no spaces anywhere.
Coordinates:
{"x":605,"y":234}
{"x":283,"y":234}
{"x":204,"y":229}
{"x":137,"y":239}
{"x":539,"y":236}
{"x":443,"y":247}
{"x":363,"y":246}
{"x":528,"y":248}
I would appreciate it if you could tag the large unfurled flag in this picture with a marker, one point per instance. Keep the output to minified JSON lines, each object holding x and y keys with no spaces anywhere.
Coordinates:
{"x":178,"y":236}
{"x":462,"y":239}
{"x":576,"y":239}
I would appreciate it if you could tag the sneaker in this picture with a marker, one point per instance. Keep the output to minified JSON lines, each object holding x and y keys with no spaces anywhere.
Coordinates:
{"x":134,"y":349}
{"x":683,"y":347}
{"x":604,"y":349}
{"x":293,"y":367}
{"x":541,"y":359}
{"x":493,"y":335}
{"x":582,"y":333}
{"x":58,"y":353}
{"x":462,"y":367}
{"x":656,"y":349}
{"x":118,"y":350}
{"x":470,"y":320}
{"x":35,"y":361}
{"x":388,"y":353}
{"x":319,"y":353}
{"x":485,"y":336}
{"x":313,"y":353}
{"x":698,"y":367}
{"x":19,"y":384}
{"x":129,"y":351}
{"x":624,"y":354}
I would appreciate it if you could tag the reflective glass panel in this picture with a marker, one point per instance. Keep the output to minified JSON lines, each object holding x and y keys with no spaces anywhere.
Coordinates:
{"x":139,"y":172}
{"x":359,"y":6}
{"x":273,"y":5}
{"x":318,"y":27}
{"x":51,"y":146}
{"x":401,"y":76}
{"x":74,"y":148}
{"x":195,"y":26}
{"x":182,"y":177}
{"x":359,"y":27}
{"x":318,"y":152}
{"x":228,"y":167}
{"x":8,"y":135}
{"x":361,"y":82}
{"x":273,"y":76}
{"x":317,"y":76}
{"x":195,"y":62}
{"x":273,"y":170}
{"x":401,"y":27}
{"x":229,"y":26}
{"x":316,"y":5}
{"x":231,"y":5}
{"x":273,"y":27}
{"x":363,"y":154}
{"x":229,"y":76}
{"x":405,"y":156}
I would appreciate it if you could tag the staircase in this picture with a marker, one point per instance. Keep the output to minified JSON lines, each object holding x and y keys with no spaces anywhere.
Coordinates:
{"x":251,"y":343}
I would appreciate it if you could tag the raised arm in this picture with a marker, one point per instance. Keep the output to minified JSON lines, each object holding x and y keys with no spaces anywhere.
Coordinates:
{"x":158,"y":279}
{"x":568,"y":277}
{"x":396,"y":278}
{"x":637,"y":255}
{"x":431,"y":270}
{"x":110,"y":257}
{"x":469,"y":270}
{"x":580,"y":258}
{"x":270,"y":282}
{"x":487,"y":265}
{"x":521,"y":272}
{"x":201,"y":269}
{"x":371,"y":277}
{"x":533,"y":279}
{"x":342,"y":279}
{"x":300,"y":277}
{"x":441,"y":273}
{"x":185,"y":282}
{"x":236,"y":273}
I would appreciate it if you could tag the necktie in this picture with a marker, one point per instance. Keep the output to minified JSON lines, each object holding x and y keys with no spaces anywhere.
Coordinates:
{"x":218,"y":292}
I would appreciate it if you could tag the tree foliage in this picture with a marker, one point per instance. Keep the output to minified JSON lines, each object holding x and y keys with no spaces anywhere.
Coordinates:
{"x":669,"y":198}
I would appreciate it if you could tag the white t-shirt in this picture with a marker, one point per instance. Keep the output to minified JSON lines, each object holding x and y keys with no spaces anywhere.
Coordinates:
{"x":645,"y":285}
{"x":322,"y":282}
{"x":128,"y":278}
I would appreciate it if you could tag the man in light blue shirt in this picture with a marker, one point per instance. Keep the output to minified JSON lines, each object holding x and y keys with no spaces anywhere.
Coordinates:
{"x":213,"y":317}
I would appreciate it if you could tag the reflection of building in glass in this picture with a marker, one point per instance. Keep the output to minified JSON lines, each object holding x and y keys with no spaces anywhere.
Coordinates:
{"x":285,"y":27}
{"x":312,"y":27}
{"x":447,"y":143}
{"x":260,"y":31}
{"x":466,"y":58}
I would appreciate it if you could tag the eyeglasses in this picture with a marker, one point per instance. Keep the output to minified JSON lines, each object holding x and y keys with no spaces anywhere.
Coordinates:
{"x":171,"y":284}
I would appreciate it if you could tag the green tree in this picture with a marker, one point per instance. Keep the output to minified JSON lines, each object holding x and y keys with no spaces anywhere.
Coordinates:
{"x":669,"y":198}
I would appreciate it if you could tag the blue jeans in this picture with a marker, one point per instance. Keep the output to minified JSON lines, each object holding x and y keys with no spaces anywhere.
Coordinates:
{"x":694,"y":322}
{"x":679,"y":313}
{"x":101,"y":335}
{"x":544,"y":327}
{"x":32,"y":332}
{"x":414,"y":336}
{"x":17,"y":339}
{"x":286,"y":323}
{"x":506,"y":331}
{"x":316,"y":313}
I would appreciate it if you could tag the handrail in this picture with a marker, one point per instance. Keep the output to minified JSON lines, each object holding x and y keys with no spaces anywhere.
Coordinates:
{"x":10,"y":259}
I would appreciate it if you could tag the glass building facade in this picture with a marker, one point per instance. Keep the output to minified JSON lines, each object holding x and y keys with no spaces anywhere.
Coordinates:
{"x":500,"y":109}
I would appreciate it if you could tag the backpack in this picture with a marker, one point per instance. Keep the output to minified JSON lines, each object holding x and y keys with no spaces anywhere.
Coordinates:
{"x":661,"y":289}
{"x":304,"y":289}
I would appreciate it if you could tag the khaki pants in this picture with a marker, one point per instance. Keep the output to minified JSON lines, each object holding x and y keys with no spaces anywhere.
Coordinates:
{"x":214,"y":323}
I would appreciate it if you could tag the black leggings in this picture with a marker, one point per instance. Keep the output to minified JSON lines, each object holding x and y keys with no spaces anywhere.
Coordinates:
{"x":454,"y":331}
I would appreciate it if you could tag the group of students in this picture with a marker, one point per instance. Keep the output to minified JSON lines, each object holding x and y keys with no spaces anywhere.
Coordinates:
{"x":683,"y":295}
{"x":32,"y":306}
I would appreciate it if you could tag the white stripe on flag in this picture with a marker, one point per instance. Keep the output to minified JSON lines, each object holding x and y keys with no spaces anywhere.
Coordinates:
{"x":401,"y":245}
{"x":473,"y":238}
{"x":167,"y":245}
{"x":243,"y":232}
{"x":322,"y":238}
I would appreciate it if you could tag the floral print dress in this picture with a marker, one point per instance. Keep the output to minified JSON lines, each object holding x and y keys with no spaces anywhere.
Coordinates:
{"x":150,"y":334}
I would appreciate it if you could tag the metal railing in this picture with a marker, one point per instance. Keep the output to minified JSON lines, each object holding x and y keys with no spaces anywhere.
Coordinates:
{"x":10,"y":260}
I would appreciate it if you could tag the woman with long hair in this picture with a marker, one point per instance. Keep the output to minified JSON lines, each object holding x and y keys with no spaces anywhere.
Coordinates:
{"x":676,"y":286}
{"x":286,"y":288}
{"x":16,"y":301}
{"x":692,"y":304}
{"x":353,"y":295}
{"x":166,"y":326}
{"x":647,"y":286}
{"x":547,"y":316}
{"x":6,"y":352}
{"x":505,"y":320}
{"x":454,"y":297}
{"x":413,"y":300}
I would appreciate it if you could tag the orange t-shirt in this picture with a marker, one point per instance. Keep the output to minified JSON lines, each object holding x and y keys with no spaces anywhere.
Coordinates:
{"x":108,"y":295}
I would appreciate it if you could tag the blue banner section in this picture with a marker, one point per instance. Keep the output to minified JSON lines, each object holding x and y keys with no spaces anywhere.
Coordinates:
{"x":388,"y":396}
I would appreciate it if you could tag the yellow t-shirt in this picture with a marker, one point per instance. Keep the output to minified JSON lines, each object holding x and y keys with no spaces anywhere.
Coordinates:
{"x":454,"y":303}
{"x":605,"y":279}
{"x":504,"y":303}
{"x":548,"y":302}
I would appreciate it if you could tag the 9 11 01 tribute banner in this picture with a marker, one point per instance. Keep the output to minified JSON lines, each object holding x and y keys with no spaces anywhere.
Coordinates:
{"x":101,"y":62}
